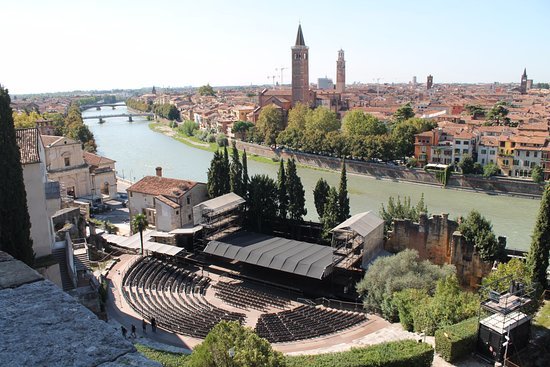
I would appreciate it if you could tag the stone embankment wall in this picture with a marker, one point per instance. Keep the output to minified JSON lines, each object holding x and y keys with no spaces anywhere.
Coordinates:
{"x":437,"y":239}
{"x":497,"y":185}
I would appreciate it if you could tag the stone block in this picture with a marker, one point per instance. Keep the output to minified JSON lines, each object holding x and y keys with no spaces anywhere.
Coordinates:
{"x":15,"y":273}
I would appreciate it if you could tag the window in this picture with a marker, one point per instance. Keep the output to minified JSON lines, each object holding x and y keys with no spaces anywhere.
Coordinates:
{"x":188,"y":200}
{"x":457,"y":151}
{"x":189,"y":217}
{"x":177,"y":212}
{"x":67,"y":161}
{"x":482,"y":160}
{"x":525,"y":163}
{"x":131,"y":194}
{"x":502,"y":144}
{"x":459,"y":142}
{"x":464,"y":151}
{"x":535,"y":154}
{"x":483,"y":151}
{"x":492,"y":152}
{"x":516,"y":162}
{"x":466,"y":142}
{"x":532,"y":164}
{"x":527,"y":153}
{"x":422,"y":157}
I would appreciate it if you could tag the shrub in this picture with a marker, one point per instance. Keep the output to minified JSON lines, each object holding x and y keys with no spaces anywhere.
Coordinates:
{"x":202,"y":135}
{"x":403,"y":353}
{"x":188,"y":127}
{"x":167,"y":359}
{"x":210,"y":138}
{"x":490,"y":170}
{"x":221,"y":140}
{"x":456,"y":341}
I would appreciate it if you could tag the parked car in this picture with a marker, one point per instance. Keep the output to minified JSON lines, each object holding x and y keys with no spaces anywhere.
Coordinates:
{"x":122,"y":196}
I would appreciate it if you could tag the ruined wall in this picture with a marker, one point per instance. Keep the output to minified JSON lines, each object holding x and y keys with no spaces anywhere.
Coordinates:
{"x":437,"y":239}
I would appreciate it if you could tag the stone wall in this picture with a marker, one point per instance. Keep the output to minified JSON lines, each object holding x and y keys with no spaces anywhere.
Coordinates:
{"x":43,"y":326}
{"x":437,"y":239}
{"x":499,"y":185}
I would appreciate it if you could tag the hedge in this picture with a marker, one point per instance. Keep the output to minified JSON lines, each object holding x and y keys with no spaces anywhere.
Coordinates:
{"x":404,"y":353}
{"x":456,"y":341}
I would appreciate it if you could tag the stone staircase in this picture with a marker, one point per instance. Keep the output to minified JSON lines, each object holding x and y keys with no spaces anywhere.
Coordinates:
{"x":60,"y":256}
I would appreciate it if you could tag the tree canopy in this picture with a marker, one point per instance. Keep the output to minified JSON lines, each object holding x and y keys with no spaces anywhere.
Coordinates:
{"x":343,"y":199}
{"x":388,"y":275}
{"x":478,"y":231}
{"x":270,"y":124}
{"x":282,"y":194}
{"x":262,"y":202}
{"x":320,"y":196}
{"x":15,"y":236}
{"x":404,"y":112}
{"x":236,"y":172}
{"x":398,"y":209}
{"x":206,"y":90}
{"x":537,"y":258}
{"x":229,"y":344}
{"x":359,"y":123}
{"x":296,"y":194}
{"x":218,"y":175}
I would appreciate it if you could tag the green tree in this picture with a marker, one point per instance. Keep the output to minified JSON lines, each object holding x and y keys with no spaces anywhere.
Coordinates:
{"x":291,"y":137}
{"x":282,"y":194}
{"x":322,"y":119}
{"x":467,"y":165}
{"x":262,"y":204}
{"x":206,"y":90}
{"x":397,"y":209}
{"x":226,"y":171}
{"x":343,"y":199}
{"x":537,"y":259}
{"x":270,"y":124}
{"x":358,"y":123}
{"x":476,"y":111}
{"x":189,"y":127}
{"x":215,"y":182}
{"x":331,"y":211}
{"x":139,"y":223}
{"x":245,"y":175}
{"x":296,"y":194}
{"x":403,"y":134}
{"x":490,"y":169}
{"x":515,"y":269}
{"x":229,"y":344}
{"x":537,"y":174}
{"x":297,"y":116}
{"x":320,"y":196}
{"x":404,"y":112}
{"x":478,"y":231}
{"x":236,"y":172}
{"x":241,"y":129}
{"x":388,"y":275}
{"x":15,"y":236}
{"x":499,"y":114}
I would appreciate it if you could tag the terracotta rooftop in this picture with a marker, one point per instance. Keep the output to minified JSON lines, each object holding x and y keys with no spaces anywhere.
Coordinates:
{"x":155,"y":185}
{"x":28,"y":140}
{"x":167,"y":201}
{"x":50,"y":139}
{"x":489,"y":141}
{"x":96,"y":160}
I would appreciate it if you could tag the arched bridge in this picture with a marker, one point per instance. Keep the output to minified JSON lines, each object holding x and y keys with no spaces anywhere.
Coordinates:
{"x":129,"y":115}
{"x":99,"y":105}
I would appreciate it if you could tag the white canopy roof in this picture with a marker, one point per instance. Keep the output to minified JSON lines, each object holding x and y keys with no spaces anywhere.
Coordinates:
{"x":361,"y":223}
{"x":133,"y":242}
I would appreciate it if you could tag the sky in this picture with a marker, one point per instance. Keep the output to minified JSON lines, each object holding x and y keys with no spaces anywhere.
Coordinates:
{"x":65,"y":45}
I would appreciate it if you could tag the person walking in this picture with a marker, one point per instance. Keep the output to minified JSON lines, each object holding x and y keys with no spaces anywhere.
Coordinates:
{"x":153,"y":324}
{"x":133,"y":334}
{"x":144,"y":326}
{"x":124,"y":331}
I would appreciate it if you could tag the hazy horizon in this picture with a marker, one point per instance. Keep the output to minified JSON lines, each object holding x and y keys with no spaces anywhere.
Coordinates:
{"x":63,"y":45}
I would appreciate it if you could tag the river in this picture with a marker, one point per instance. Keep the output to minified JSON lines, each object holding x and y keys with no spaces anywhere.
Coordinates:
{"x":138,"y":150}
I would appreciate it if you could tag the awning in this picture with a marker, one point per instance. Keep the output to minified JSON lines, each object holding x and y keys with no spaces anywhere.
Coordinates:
{"x":133,"y":242}
{"x":297,"y":257}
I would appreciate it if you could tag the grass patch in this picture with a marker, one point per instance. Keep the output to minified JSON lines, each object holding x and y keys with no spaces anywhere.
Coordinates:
{"x":167,"y":359}
{"x":543,"y":316}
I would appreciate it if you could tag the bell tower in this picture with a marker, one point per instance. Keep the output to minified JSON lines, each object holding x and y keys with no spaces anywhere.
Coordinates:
{"x":300,"y":70}
{"x":340,"y":72}
{"x":523,"y":85}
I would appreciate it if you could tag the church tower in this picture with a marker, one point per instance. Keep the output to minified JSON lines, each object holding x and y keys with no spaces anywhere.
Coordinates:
{"x":523,"y":85}
{"x":340,"y":72}
{"x":430,"y":82}
{"x":300,"y":70}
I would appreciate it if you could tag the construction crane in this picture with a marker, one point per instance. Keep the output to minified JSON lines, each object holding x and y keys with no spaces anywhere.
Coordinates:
{"x":377,"y":86}
{"x":272,"y":77}
{"x":281,"y":69}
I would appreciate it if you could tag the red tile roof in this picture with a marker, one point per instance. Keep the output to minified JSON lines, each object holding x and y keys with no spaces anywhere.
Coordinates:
{"x":155,"y":185}
{"x":167,"y":201}
{"x":96,"y":160}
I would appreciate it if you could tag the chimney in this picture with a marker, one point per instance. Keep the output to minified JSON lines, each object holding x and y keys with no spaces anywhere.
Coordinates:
{"x":159,"y":171}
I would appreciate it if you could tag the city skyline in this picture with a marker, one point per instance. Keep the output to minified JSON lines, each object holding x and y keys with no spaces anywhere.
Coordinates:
{"x":64,"y":46}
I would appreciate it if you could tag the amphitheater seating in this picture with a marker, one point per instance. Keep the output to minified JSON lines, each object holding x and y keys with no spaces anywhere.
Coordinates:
{"x":246,"y":298}
{"x":174,"y":296}
{"x":304,"y":322}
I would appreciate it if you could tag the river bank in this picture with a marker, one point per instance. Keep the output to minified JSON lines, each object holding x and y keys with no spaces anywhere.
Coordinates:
{"x":472,"y":183}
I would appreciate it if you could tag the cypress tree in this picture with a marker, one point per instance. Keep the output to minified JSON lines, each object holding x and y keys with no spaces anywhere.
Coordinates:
{"x":537,"y":259}
{"x":343,"y":199}
{"x":282,"y":194}
{"x":236,"y":172}
{"x":245,"y":175}
{"x":330,"y":213}
{"x":15,"y":224}
{"x":214,"y":184}
{"x":226,"y":186}
{"x":320,"y":196}
{"x":296,"y":194}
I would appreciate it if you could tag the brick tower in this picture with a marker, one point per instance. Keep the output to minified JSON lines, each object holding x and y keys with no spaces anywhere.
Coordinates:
{"x":340,"y":72}
{"x":523,"y":85}
{"x":430,"y":82}
{"x":300,"y":70}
